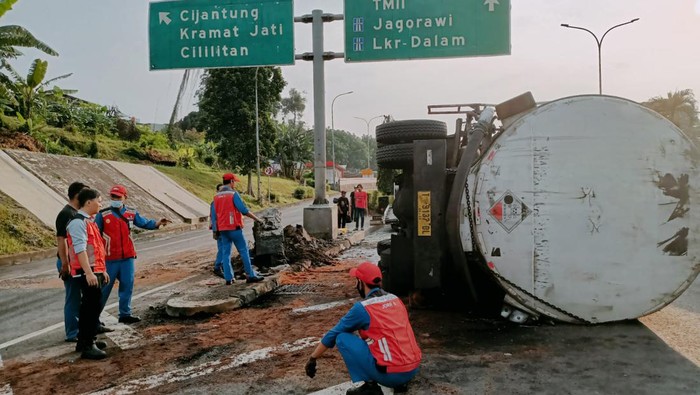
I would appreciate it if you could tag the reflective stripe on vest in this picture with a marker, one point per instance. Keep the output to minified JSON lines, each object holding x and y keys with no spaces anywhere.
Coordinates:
{"x":390,"y":336}
{"x":117,"y":235}
{"x":95,"y":249}
{"x":227,"y":215}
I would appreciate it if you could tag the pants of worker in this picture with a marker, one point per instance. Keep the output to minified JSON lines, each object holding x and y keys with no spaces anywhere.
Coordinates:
{"x":122,"y":270}
{"x":341,"y":219}
{"x":359,"y":216}
{"x":71,"y":305}
{"x":219,"y":254}
{"x":89,"y":310}
{"x":362,"y":365}
{"x":238,"y":239}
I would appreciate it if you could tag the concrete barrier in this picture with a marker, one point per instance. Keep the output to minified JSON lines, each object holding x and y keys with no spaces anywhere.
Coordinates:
{"x":58,"y":172}
{"x":187,"y":205}
{"x":29,"y":191}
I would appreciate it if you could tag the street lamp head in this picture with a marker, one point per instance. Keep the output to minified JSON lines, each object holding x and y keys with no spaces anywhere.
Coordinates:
{"x":565,"y":25}
{"x":634,"y":20}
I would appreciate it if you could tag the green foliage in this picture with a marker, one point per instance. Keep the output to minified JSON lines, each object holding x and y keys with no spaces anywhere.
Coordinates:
{"x":303,"y":193}
{"x":20,"y":231}
{"x":28,"y":93}
{"x":373,"y":200}
{"x":385,"y":180}
{"x":294,"y":148}
{"x":293,"y":105}
{"x":227,"y":104}
{"x":186,"y":158}
{"x":350,"y":149}
{"x":679,"y":107}
{"x":127,"y":130}
{"x":192,"y":121}
{"x":152,"y":140}
{"x":16,"y":36}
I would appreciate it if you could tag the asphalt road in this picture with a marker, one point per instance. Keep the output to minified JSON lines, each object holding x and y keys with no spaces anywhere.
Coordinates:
{"x":25,"y":311}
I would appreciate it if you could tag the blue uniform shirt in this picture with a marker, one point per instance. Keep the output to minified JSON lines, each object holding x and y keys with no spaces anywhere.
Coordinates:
{"x":355,"y":319}
{"x":237,"y":202}
{"x":139,"y":221}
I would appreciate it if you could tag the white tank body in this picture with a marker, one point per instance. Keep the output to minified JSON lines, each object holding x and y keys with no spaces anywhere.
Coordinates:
{"x":587,"y":210}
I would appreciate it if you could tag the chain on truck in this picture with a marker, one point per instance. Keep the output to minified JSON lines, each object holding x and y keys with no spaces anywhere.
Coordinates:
{"x":581,"y":209}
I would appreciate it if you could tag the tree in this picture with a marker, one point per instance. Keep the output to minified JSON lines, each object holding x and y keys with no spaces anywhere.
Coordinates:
{"x":193,"y":120}
{"x":227,"y":104}
{"x":28,"y":92}
{"x":295,"y":105}
{"x":679,"y":107}
{"x":295,"y":148}
{"x":350,"y":149}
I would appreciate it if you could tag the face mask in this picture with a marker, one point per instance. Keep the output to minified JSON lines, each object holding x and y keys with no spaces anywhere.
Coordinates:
{"x":360,"y":289}
{"x":116,"y":203}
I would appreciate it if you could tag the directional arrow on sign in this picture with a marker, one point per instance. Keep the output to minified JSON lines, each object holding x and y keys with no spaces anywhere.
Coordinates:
{"x":492,"y":4}
{"x":164,"y":17}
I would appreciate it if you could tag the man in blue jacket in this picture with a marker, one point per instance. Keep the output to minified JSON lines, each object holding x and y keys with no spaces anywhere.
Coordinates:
{"x":115,"y":223}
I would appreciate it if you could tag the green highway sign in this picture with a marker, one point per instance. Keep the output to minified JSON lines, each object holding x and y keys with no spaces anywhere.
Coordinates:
{"x":228,"y":33}
{"x":415,"y":29}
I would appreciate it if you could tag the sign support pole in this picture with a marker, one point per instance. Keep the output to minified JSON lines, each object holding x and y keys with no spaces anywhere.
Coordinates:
{"x":319,"y":218}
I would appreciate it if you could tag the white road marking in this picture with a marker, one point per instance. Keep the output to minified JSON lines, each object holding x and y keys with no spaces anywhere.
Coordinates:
{"x":5,"y":389}
{"x":60,"y":324}
{"x":124,"y":336}
{"x":341,"y":388}
{"x":321,"y":307}
{"x":182,"y":374}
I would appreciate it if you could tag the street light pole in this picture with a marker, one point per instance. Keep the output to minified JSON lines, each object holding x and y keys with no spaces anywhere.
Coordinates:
{"x":600,"y":45}
{"x":257,"y":133}
{"x":333,"y":132}
{"x":368,"y":135}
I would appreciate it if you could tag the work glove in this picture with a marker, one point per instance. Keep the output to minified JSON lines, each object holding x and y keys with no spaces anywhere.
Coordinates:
{"x":311,"y":367}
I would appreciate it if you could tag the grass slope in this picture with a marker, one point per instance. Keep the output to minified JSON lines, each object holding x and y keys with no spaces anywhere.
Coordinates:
{"x":20,"y":230}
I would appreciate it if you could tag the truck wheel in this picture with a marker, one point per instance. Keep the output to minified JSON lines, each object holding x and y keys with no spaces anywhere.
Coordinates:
{"x":407,"y":131}
{"x":397,"y":156}
{"x":383,"y":245}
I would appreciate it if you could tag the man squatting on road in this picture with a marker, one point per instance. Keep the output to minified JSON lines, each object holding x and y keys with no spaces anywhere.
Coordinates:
{"x":386,"y":351}
{"x":227,"y":223}
{"x":115,"y":223}
{"x":86,"y":254}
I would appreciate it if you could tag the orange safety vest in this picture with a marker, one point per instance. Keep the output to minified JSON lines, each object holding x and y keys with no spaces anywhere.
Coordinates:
{"x":227,"y":215}
{"x":95,"y":248}
{"x":390,"y":336}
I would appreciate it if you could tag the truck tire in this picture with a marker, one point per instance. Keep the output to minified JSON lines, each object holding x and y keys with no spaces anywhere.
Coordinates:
{"x":383,"y":245}
{"x":397,"y":156}
{"x":407,"y":131}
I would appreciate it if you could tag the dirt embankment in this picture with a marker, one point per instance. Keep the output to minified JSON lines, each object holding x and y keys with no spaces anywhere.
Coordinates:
{"x":20,"y":230}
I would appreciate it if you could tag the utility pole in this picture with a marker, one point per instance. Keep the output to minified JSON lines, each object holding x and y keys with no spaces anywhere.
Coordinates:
{"x":333,"y":133}
{"x":368,"y":135}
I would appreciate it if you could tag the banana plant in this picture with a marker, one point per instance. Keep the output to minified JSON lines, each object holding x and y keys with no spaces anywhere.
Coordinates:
{"x":12,"y":36}
{"x":30,"y":90}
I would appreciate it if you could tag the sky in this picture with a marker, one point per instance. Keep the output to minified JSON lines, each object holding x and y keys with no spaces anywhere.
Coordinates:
{"x":105,"y":45}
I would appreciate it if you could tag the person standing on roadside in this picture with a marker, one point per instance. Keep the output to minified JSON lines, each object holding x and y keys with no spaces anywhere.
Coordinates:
{"x":218,"y":263}
{"x":343,"y":210}
{"x":360,"y":207}
{"x":71,"y":305}
{"x":353,"y":212}
{"x":115,"y":223}
{"x":227,"y":223}
{"x":86,"y":254}
{"x":385,"y":352}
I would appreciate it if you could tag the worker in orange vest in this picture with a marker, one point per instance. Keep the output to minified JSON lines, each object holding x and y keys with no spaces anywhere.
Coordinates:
{"x":86,"y":254}
{"x":386,"y":351}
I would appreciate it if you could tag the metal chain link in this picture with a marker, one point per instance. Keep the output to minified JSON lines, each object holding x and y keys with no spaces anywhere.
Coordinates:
{"x":476,"y":249}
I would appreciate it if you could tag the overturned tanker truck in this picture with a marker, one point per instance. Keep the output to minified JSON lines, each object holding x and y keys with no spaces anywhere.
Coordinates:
{"x":583,"y":210}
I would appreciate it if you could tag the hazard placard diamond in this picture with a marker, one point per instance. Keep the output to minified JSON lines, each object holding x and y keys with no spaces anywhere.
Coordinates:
{"x":509,"y":211}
